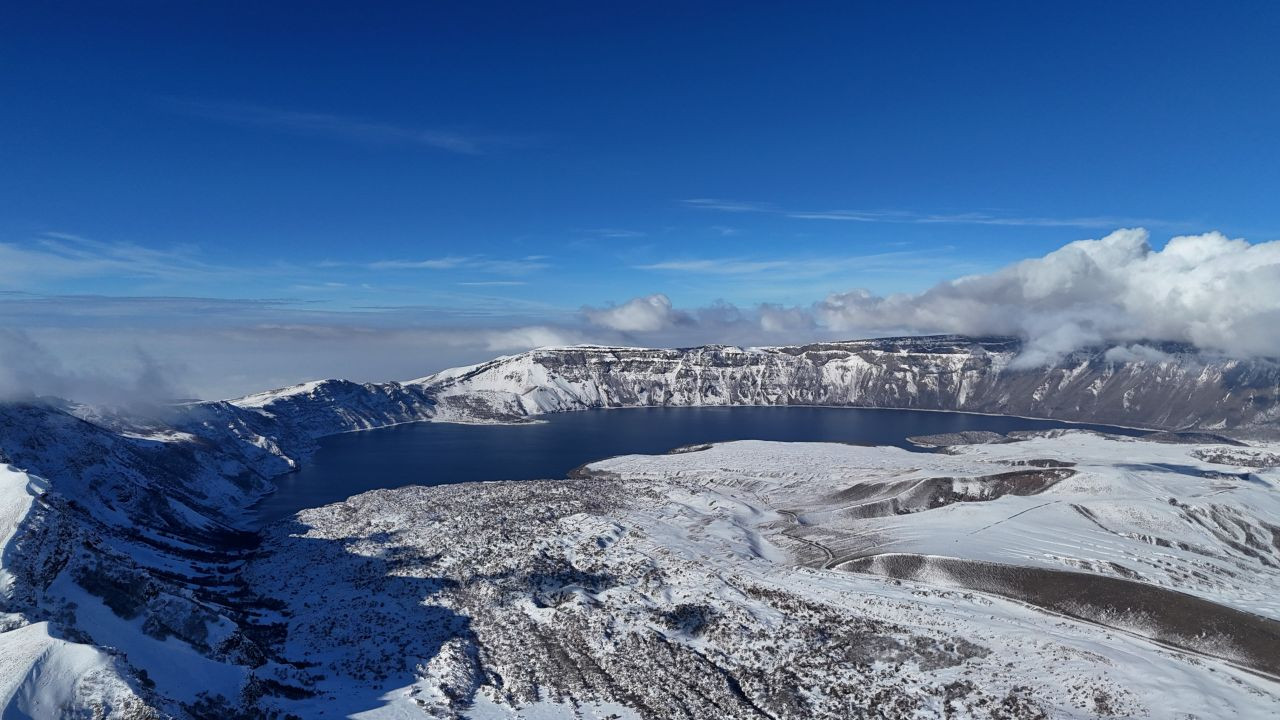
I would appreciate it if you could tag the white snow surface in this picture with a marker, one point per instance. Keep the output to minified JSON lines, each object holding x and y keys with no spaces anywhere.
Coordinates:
{"x":636,"y":586}
{"x":740,"y":580}
{"x":17,"y":491}
{"x":43,"y":675}
{"x":1116,"y":515}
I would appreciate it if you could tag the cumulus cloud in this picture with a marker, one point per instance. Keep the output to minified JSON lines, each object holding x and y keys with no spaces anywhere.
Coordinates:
{"x":1208,"y":290}
{"x":779,"y":319}
{"x":647,"y":314}
{"x":653,"y":321}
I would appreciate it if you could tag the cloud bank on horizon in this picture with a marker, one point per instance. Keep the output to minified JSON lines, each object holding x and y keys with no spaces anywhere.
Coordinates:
{"x":1220,"y":294}
{"x":1216,"y":293}
{"x":1117,"y":292}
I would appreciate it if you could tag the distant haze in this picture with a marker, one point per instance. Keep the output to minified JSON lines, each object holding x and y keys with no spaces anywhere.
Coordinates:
{"x":1220,"y":294}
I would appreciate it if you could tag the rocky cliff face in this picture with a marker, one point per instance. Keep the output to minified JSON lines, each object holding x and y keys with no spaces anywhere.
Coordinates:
{"x":1178,"y":389}
{"x":1181,"y":390}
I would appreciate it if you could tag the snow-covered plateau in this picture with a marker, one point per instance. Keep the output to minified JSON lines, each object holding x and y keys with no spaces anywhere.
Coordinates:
{"x":1036,"y":575}
{"x":1175,"y":388}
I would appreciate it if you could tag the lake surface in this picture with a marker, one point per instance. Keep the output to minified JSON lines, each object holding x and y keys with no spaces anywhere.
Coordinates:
{"x":440,"y":453}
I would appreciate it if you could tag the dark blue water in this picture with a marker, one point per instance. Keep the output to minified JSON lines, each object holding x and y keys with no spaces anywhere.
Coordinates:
{"x":436,"y":453}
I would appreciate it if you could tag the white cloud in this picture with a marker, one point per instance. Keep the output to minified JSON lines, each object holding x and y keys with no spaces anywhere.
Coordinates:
{"x":779,"y":319}
{"x":638,"y":315}
{"x":1208,"y":290}
{"x":1135,"y":353}
{"x":1219,"y":294}
{"x":524,"y":338}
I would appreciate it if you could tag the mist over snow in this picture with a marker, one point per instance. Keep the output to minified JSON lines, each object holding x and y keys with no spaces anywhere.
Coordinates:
{"x":129,"y":377}
{"x":1117,"y":292}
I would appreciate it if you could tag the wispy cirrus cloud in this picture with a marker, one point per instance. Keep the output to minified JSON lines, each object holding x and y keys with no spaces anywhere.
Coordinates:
{"x":340,"y":127}
{"x":720,"y":266}
{"x":62,"y":262}
{"x":614,"y":233}
{"x":739,"y":206}
{"x":478,"y":263}
{"x":441,"y":263}
{"x":906,"y":261}
{"x":58,"y":256}
{"x":918,"y":218}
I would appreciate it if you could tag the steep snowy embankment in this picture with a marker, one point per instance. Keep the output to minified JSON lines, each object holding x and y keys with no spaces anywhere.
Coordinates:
{"x":41,"y":673}
{"x":1184,"y":390}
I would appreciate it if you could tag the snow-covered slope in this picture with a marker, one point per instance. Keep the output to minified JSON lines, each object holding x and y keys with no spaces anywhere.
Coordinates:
{"x":1081,"y":506}
{"x":124,"y":540}
{"x":45,"y":676}
{"x":119,"y":565}
{"x":725,"y":582}
{"x":41,"y":673}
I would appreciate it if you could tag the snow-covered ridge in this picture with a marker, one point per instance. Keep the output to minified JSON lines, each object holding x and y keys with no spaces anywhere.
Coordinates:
{"x":1182,"y":390}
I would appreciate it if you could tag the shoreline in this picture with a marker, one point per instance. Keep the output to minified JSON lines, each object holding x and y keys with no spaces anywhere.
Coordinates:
{"x":250,"y":512}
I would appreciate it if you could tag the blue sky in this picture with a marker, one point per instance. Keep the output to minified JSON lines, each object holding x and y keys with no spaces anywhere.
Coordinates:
{"x":433,"y":164}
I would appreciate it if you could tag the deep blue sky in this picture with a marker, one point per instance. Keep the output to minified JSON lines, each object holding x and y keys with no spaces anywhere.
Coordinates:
{"x":551,"y":151}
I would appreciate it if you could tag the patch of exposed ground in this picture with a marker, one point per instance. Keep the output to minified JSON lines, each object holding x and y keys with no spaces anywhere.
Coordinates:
{"x":1177,"y":619}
